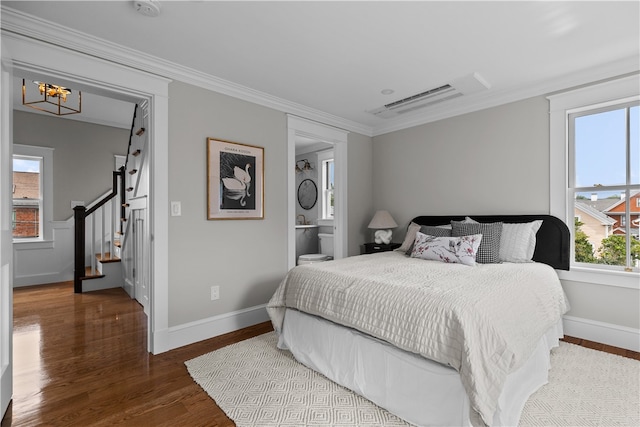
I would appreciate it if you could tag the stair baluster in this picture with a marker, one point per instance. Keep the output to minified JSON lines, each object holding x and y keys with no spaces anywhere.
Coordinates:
{"x":80,"y":214}
{"x":102,"y":213}
{"x":93,"y":245}
{"x":112,"y":245}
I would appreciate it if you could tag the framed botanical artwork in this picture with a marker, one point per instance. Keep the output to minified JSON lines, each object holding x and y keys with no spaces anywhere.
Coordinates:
{"x":235,"y":180}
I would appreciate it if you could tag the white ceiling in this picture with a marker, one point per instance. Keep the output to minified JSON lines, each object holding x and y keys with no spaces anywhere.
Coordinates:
{"x":335,"y":58}
{"x":96,"y":109}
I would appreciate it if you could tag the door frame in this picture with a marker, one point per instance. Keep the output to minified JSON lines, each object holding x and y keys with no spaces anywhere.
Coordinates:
{"x":300,"y":127}
{"x":6,"y":239}
{"x":36,"y":59}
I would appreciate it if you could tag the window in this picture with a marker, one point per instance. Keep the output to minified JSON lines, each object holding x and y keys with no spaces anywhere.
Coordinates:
{"x":328,"y":186}
{"x":603,"y":178}
{"x":595,"y":178}
{"x":27,"y":197}
{"x":327,"y":182}
{"x":32,"y":191}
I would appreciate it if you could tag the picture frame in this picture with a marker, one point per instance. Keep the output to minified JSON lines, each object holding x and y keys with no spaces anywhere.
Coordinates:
{"x":235,"y":180}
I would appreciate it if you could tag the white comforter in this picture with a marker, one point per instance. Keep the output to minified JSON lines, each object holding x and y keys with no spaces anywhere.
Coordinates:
{"x":484,"y":321}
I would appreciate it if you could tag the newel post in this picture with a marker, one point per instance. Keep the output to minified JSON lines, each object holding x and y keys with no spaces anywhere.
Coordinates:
{"x":79,"y":214}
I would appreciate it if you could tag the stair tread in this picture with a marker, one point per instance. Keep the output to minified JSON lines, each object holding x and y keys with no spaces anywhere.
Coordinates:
{"x":107,"y":258}
{"x":88,"y":274}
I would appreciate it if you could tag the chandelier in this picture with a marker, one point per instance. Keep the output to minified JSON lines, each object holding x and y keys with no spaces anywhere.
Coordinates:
{"x":51,"y":98}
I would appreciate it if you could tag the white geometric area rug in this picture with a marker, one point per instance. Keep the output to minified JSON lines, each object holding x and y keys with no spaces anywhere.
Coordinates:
{"x":258,"y":385}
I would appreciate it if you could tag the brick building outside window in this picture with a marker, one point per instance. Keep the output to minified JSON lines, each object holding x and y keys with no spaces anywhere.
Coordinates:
{"x":26,"y":205}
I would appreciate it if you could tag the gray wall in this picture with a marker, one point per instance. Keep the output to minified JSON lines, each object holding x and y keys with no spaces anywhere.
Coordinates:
{"x":246,"y":258}
{"x":83,"y":159}
{"x":311,"y":215}
{"x":491,"y":161}
{"x":361,"y":190}
{"x":486,"y":162}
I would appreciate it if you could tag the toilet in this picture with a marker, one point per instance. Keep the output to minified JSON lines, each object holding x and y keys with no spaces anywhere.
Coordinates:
{"x":326,"y":251}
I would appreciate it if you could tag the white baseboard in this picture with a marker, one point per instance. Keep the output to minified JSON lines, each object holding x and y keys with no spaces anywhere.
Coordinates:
{"x":189,"y":333}
{"x":41,"y":279}
{"x":128,"y":287}
{"x":604,"y":333}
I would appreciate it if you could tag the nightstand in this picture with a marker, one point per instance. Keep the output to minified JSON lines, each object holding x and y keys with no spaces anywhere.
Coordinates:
{"x":370,"y":248}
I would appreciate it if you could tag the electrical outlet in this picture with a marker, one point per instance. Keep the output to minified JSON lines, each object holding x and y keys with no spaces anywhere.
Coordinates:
{"x":215,"y":293}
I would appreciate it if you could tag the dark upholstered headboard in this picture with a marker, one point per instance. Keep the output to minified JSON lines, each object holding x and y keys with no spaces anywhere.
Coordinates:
{"x":552,"y":240}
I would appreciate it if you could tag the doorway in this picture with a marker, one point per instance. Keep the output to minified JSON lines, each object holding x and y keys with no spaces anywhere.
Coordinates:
{"x":303,"y":129}
{"x":34,"y":59}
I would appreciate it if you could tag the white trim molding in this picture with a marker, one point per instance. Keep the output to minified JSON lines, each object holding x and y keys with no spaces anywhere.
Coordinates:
{"x":189,"y":333}
{"x":601,"y":332}
{"x":494,"y":98}
{"x":33,"y":27}
{"x":18,"y":22}
{"x":560,"y":106}
{"x":298,"y":126}
{"x":46,"y":179}
{"x":35,"y":58}
{"x":41,"y":261}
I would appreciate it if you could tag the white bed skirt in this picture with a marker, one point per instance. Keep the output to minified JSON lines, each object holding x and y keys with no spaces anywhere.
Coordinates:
{"x":418,"y":390}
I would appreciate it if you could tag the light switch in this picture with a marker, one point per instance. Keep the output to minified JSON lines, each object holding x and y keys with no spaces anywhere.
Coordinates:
{"x":176,"y":209}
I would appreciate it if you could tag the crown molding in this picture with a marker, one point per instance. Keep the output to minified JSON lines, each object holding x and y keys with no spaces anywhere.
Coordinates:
{"x":490,"y":99}
{"x":31,"y":27}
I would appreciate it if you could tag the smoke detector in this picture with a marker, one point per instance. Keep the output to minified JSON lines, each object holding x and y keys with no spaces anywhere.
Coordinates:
{"x":149,"y":8}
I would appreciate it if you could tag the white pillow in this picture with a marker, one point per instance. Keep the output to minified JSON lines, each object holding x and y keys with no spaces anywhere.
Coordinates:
{"x":459,"y":250}
{"x":409,"y":238}
{"x":518,"y":241}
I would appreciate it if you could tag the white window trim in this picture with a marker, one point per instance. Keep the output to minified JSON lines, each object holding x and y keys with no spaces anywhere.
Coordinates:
{"x":560,"y":106}
{"x":46,"y":154}
{"x":321,"y":157}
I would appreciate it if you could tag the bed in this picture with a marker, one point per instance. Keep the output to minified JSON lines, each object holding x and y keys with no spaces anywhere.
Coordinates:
{"x":435,"y":341}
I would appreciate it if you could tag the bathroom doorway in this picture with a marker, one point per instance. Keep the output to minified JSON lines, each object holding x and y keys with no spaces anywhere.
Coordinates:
{"x":315,"y":199}
{"x":317,"y":187}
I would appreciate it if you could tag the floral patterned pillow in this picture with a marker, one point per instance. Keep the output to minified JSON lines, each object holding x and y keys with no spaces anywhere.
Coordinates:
{"x":460,"y":250}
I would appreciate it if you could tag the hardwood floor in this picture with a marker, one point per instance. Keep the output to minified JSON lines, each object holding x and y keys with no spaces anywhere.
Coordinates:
{"x":81,"y":360}
{"x":603,"y":347}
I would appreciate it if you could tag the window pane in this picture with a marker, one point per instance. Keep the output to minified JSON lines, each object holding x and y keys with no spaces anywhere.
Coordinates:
{"x":600,"y":149}
{"x":600,"y":233}
{"x":634,"y":123}
{"x":26,"y":197}
{"x":328,"y":187}
{"x":330,"y":174}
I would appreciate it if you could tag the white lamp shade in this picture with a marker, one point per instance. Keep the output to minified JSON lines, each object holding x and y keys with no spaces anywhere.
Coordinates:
{"x":382,"y":220}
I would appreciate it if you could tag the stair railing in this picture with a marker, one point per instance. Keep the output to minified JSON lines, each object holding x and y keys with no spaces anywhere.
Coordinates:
{"x":80,"y":215}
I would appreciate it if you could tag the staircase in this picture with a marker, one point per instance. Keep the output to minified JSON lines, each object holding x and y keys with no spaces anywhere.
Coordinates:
{"x":100,"y":229}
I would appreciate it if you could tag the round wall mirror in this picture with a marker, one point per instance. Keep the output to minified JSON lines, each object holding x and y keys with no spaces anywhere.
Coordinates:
{"x":307,"y":194}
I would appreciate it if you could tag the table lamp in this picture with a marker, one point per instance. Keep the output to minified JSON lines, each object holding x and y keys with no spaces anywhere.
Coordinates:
{"x":382,"y":222}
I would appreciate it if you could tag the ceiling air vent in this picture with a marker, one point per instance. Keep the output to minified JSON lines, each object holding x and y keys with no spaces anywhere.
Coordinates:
{"x":459,"y":87}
